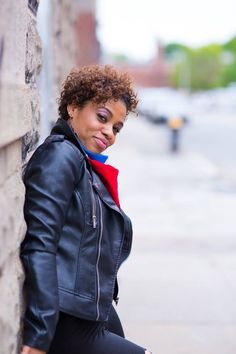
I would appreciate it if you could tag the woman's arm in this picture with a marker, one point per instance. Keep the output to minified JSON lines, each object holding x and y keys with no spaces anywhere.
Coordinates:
{"x":50,"y":180}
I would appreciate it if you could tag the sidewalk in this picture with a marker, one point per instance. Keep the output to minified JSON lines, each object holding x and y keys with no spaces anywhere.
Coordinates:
{"x":177,"y":290}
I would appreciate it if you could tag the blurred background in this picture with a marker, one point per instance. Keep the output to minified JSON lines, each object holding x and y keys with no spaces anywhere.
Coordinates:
{"x":177,"y":159}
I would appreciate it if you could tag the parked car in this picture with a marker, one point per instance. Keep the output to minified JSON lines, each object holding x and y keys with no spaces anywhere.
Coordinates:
{"x":159,"y":105}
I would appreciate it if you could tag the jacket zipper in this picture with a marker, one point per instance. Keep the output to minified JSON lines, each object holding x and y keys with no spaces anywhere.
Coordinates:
{"x":98,"y":258}
{"x":94,"y":217}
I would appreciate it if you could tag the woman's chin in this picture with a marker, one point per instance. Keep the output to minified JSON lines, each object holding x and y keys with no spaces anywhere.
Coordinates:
{"x":95,"y":150}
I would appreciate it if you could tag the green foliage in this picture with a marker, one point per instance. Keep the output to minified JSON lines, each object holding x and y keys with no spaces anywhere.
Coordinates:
{"x":202,"y":68}
{"x":206,"y":67}
{"x":229,"y":70}
{"x":119,"y":57}
{"x":174,"y":49}
{"x":230,"y":45}
{"x":229,"y":73}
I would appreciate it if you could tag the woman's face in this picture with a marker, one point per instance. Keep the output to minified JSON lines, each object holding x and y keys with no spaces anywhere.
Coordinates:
{"x":97,"y":124}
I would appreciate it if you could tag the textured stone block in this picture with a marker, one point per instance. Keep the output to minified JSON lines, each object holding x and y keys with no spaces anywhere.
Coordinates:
{"x":20,"y":62}
{"x":11,"y":279}
{"x":33,"y":5}
{"x":2,"y":166}
{"x":13,"y":158}
{"x":15,"y":115}
{"x":12,"y":229}
{"x":12,"y":223}
{"x":33,"y":53}
{"x":13,"y":28}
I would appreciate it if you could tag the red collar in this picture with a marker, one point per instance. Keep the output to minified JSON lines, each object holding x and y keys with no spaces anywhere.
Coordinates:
{"x":108,"y":176}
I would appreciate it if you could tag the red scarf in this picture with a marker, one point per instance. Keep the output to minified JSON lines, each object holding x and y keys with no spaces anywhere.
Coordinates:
{"x":108,"y":176}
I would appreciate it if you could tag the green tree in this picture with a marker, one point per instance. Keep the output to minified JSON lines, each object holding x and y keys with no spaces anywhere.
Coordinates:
{"x":230,"y":45}
{"x":206,"y":67}
{"x":195,"y":69}
{"x":177,"y":54}
{"x":202,"y":68}
{"x":229,"y":74}
{"x":229,"y":71}
{"x":173,"y":50}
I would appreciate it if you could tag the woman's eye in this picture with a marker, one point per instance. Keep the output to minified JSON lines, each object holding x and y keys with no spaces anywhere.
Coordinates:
{"x":116,"y":130}
{"x":102,"y":118}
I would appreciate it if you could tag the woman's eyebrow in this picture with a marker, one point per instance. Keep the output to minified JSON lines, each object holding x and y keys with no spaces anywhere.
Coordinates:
{"x":106,"y":109}
{"x":111,"y":114}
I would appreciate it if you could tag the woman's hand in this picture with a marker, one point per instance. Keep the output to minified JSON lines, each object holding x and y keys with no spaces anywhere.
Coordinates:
{"x":29,"y":350}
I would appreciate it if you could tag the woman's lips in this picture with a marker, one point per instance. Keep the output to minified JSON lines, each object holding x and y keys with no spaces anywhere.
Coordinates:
{"x":101,"y":143}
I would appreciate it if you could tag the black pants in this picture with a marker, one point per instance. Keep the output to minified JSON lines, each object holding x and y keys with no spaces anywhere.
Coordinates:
{"x":77,"y":336}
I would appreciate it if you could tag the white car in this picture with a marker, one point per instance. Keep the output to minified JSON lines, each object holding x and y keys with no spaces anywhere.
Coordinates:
{"x":161,"y":104}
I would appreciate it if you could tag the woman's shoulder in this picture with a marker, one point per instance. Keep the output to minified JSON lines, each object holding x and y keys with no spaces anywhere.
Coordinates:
{"x":56,"y":149}
{"x":58,"y":145}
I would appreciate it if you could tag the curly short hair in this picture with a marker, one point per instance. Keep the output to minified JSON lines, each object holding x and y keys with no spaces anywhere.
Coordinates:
{"x":98,"y":84}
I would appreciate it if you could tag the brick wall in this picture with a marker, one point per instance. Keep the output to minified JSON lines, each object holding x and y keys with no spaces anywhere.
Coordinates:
{"x":89,"y":46}
{"x":155,"y":73}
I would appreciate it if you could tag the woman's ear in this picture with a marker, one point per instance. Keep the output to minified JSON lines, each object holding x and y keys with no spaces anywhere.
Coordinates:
{"x":70,"y":110}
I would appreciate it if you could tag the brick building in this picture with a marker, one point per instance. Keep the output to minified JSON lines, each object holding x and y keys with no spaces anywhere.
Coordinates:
{"x":86,"y":24}
{"x":155,"y":73}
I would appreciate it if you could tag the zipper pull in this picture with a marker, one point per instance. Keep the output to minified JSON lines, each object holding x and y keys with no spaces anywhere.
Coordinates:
{"x":94,"y":221}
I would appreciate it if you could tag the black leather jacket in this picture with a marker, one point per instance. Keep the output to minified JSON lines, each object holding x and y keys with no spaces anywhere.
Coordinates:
{"x":76,"y":238}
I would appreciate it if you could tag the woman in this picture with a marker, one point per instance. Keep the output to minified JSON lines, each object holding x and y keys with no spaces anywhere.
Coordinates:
{"x":77,"y":234}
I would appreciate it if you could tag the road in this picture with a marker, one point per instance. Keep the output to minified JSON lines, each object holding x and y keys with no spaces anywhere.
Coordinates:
{"x":178,"y":289}
{"x":213,"y":135}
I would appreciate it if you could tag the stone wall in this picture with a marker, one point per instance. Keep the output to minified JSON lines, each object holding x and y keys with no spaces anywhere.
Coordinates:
{"x":58,"y":17}
{"x":21,"y":109}
{"x":19,"y":120}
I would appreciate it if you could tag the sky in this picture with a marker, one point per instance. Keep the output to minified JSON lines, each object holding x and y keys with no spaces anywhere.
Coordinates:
{"x":132,"y":27}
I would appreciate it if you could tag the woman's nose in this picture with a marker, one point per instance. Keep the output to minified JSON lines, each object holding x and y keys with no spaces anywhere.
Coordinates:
{"x":107,"y":130}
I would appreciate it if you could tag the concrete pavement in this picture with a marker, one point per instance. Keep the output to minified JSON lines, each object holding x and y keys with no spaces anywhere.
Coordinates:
{"x":177,"y":289}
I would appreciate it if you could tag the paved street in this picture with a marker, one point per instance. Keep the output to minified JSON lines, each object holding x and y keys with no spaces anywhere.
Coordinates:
{"x":178,"y":288}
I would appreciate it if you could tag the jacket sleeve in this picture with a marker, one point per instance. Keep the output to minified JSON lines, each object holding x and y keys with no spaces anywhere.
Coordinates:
{"x":50,"y":179}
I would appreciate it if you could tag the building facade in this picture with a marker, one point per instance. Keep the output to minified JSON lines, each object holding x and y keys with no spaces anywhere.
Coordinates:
{"x":154,"y":73}
{"x":89,"y":51}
